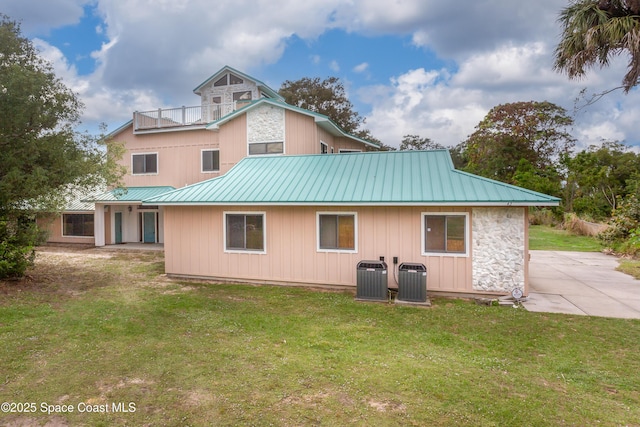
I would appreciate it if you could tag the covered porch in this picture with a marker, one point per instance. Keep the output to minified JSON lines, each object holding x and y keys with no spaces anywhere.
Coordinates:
{"x":120,"y":217}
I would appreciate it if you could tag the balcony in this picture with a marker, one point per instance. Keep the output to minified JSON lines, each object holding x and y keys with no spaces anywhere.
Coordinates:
{"x":168,"y":118}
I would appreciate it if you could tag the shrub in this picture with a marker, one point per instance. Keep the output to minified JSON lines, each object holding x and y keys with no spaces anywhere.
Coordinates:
{"x":543,"y":216}
{"x":623,"y":233}
{"x":18,"y":238}
{"x":579,"y":226}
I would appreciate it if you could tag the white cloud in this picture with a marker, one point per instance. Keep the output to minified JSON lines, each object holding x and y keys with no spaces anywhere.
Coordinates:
{"x":421,"y":102}
{"x":361,"y":68}
{"x":498,"y":51}
{"x":102,"y":105}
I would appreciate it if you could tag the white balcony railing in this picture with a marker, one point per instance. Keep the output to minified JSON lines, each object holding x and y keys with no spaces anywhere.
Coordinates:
{"x":183,"y":116}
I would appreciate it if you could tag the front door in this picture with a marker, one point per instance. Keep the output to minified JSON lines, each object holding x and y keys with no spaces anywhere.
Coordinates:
{"x":118,"y":227}
{"x":149,"y":227}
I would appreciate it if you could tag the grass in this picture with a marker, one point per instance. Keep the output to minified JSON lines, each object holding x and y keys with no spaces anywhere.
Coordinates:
{"x":547,"y":238}
{"x":100,"y":328}
{"x":630,"y":266}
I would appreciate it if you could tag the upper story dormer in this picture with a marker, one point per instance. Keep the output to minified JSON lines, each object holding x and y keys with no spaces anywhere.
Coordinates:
{"x":238,"y":116}
{"x":221,"y":94}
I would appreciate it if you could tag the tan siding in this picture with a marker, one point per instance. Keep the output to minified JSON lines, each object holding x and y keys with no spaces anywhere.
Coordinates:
{"x":327,"y":138}
{"x":233,"y":142}
{"x":53,"y":225}
{"x":301,"y":134}
{"x":179,"y":156}
{"x":194,"y":247}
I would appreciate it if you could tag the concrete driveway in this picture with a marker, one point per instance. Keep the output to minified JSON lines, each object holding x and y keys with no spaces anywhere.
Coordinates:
{"x":584,"y":283}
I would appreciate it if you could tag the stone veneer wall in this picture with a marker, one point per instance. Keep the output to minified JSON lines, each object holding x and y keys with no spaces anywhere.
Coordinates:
{"x":265,"y":124}
{"x":226,"y":92}
{"x":498,"y":249}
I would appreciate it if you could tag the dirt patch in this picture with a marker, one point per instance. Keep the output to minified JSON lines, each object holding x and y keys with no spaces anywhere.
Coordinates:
{"x":71,"y":270}
{"x":387,"y":406}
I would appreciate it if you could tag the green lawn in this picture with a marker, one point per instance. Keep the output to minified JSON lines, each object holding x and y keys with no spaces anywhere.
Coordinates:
{"x":542,"y":237}
{"x":102,"y":331}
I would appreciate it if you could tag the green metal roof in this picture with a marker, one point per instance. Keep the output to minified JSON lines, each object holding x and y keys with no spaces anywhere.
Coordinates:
{"x":391,"y":178}
{"x":129,"y":194}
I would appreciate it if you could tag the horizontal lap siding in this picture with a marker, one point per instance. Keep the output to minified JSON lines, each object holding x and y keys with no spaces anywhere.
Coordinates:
{"x":194,"y":246}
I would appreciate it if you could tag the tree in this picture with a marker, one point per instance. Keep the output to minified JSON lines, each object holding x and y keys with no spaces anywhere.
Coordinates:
{"x":593,"y":31}
{"x":327,"y":97}
{"x":42,"y":155}
{"x":534,"y":131}
{"x":598,"y":177}
{"x":547,"y":181}
{"x":415,"y":142}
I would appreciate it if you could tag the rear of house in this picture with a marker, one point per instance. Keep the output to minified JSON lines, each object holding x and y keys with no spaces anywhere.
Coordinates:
{"x":168,"y":148}
{"x":311,"y":219}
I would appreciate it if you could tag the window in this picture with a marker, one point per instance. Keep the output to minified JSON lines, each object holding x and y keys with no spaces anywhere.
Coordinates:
{"x":144,"y":163}
{"x":337,"y":231}
{"x":242,"y":96}
{"x":210,"y":160}
{"x":228,"y":79}
{"x":445,"y":233}
{"x":235,"y":80}
{"x":257,"y":148}
{"x":324,"y":148}
{"x":349,"y":150}
{"x":244,"y":232}
{"x":77,"y":225}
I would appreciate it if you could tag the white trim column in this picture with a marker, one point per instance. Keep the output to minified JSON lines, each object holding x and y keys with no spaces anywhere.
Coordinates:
{"x":98,"y":224}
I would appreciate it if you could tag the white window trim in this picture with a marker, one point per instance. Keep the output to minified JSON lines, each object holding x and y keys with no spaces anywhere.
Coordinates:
{"x":266,"y":142}
{"x":76,"y":213}
{"x":147,"y":174}
{"x":355,"y":232}
{"x":202,"y":163}
{"x":467,"y":234}
{"x":322,"y":143}
{"x":240,"y":251}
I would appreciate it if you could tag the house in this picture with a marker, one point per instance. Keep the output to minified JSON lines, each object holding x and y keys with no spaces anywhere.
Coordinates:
{"x":309,"y":219}
{"x":245,"y":187}
{"x":238,"y":116}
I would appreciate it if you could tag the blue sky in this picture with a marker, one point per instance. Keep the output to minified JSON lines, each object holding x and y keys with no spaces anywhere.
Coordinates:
{"x":422,"y":67}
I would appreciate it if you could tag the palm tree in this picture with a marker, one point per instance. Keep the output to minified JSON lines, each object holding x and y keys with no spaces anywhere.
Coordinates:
{"x":596,"y":30}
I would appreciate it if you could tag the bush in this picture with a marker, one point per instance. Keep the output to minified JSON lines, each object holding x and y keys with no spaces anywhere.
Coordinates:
{"x":18,"y":238}
{"x":544,"y":216}
{"x":579,"y":226}
{"x":623,"y":233}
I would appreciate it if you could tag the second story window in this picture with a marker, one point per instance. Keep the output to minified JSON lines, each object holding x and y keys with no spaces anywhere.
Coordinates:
{"x":210,"y":160}
{"x":257,"y":148}
{"x":144,"y":163}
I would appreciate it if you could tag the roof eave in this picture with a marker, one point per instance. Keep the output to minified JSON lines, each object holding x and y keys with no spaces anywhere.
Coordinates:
{"x":330,"y":203}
